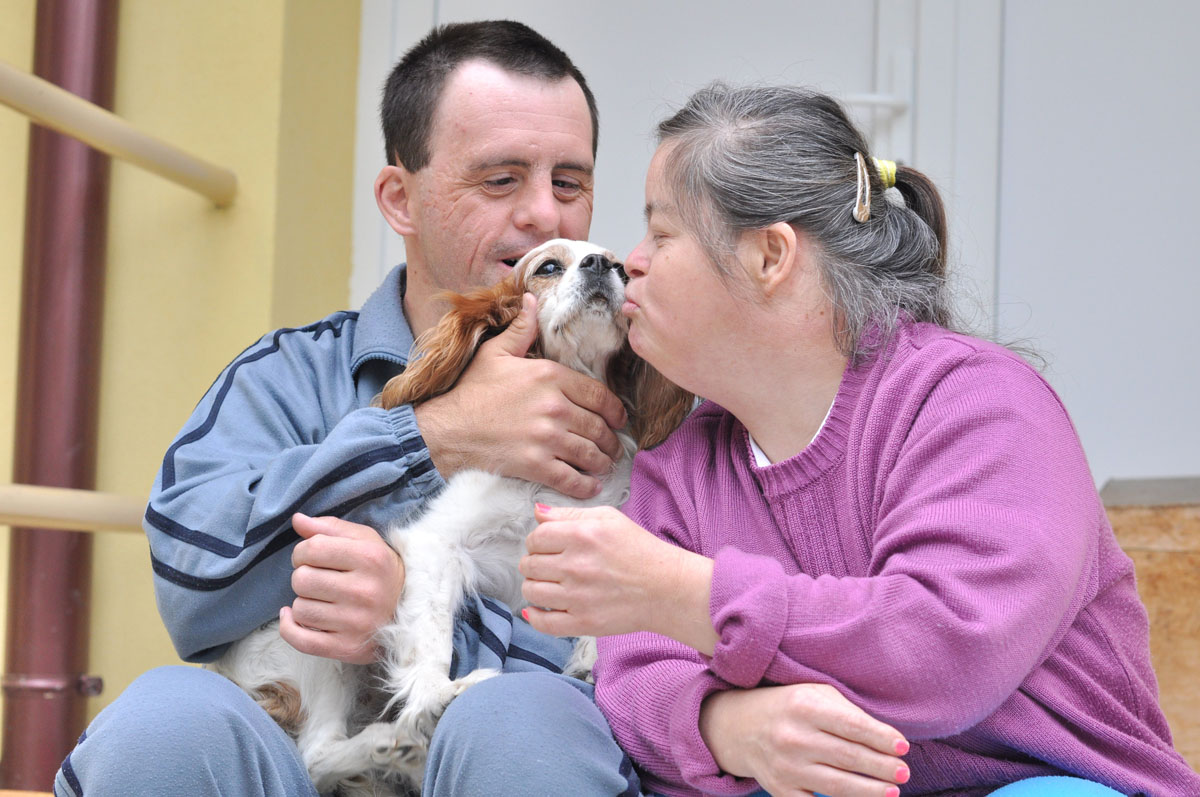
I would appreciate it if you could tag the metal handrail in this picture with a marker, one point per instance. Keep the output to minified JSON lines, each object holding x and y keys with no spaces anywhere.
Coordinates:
{"x":58,"y":109}
{"x":30,"y":506}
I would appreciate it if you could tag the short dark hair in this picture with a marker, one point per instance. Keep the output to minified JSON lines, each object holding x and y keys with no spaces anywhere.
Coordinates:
{"x":415,"y":85}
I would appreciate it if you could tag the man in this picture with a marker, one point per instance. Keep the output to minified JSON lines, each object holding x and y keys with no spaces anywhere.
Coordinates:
{"x":491,"y":136}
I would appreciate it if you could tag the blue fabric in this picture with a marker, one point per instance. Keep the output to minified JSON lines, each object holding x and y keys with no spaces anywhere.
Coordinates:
{"x":527,"y":733}
{"x":1055,"y":786}
{"x":286,"y":427}
{"x":184,"y":730}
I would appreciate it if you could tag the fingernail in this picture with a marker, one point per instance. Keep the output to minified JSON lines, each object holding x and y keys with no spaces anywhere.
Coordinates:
{"x":902,"y":775}
{"x":542,"y":508}
{"x":901,"y":747}
{"x":525,"y":614}
{"x":892,"y":792}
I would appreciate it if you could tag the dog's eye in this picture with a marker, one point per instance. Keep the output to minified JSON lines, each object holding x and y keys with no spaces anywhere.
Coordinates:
{"x":548,"y":269}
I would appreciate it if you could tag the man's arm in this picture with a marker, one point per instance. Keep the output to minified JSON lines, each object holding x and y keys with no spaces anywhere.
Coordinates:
{"x":281,"y":431}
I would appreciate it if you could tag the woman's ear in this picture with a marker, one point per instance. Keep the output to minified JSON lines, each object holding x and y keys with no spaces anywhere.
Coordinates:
{"x":442,"y":353}
{"x":394,"y":187}
{"x":771,"y":255}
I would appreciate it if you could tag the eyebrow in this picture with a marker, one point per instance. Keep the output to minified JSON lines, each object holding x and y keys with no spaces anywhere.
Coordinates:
{"x":483,"y":166}
{"x":658,"y":207}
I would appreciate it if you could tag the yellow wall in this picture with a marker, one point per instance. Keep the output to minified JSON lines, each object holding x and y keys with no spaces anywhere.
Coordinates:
{"x":16,"y":48}
{"x":267,"y":90}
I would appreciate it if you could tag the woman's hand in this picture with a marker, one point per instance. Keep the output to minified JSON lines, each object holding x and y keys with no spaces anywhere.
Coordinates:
{"x":801,"y":739}
{"x":347,"y":582}
{"x":595,"y":572}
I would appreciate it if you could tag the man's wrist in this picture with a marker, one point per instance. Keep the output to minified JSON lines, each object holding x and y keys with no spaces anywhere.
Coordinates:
{"x":433,"y":433}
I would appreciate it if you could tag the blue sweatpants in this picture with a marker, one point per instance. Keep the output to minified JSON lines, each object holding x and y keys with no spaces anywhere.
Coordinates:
{"x":184,"y":730}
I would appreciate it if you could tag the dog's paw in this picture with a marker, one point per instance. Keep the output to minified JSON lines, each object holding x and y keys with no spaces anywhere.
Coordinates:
{"x":461,"y":685}
{"x":392,"y":750}
{"x":583,"y":659}
{"x":426,"y":704}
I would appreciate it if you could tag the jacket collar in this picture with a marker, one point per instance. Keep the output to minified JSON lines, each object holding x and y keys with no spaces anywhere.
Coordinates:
{"x":382,"y":332}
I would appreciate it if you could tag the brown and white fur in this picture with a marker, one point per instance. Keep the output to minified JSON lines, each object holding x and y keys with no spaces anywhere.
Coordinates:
{"x":469,"y":538}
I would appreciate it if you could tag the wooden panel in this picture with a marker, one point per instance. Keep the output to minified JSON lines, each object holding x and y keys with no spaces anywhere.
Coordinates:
{"x":1164,"y":543}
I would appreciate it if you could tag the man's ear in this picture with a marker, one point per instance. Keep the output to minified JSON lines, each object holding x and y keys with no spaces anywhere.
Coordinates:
{"x":394,"y":193}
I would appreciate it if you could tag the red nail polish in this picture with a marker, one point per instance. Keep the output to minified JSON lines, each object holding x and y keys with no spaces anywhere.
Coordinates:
{"x":525,"y":614}
{"x":542,"y":508}
{"x":902,"y":774}
{"x":901,"y":747}
{"x":892,"y":792}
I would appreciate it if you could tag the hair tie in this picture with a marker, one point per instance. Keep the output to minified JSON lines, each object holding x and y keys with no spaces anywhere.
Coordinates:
{"x":887,"y":171}
{"x":862,"y":197}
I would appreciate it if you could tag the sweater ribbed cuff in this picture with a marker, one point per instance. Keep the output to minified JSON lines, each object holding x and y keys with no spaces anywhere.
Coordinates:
{"x":742,"y":585}
{"x":696,"y":763}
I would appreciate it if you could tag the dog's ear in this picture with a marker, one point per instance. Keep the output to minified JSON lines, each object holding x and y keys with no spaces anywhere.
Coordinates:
{"x":655,"y":405}
{"x":441,"y":354}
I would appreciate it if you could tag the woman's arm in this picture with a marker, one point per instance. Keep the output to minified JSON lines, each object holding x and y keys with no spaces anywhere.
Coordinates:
{"x":593,"y":571}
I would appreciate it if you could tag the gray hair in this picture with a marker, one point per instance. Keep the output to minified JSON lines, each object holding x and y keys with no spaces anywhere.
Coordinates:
{"x":745,"y":158}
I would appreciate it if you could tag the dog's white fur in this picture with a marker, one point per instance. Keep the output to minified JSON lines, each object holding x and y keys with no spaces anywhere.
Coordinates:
{"x":468,"y":541}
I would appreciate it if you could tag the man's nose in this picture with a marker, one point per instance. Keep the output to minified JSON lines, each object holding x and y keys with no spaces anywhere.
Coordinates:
{"x":539,"y":209}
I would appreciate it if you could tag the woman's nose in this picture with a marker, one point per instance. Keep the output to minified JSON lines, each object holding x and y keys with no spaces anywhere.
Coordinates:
{"x":637,"y":262}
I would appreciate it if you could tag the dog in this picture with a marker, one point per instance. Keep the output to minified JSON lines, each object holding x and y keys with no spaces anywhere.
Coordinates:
{"x":469,"y":538}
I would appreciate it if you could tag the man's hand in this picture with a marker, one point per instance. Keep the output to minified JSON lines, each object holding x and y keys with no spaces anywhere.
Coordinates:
{"x":801,"y":739}
{"x":530,"y":419}
{"x":347,"y":582}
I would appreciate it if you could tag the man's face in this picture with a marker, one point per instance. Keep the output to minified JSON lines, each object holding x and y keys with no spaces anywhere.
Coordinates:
{"x":510,"y":167}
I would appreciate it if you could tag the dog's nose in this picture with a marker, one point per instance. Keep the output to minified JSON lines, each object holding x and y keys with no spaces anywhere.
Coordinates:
{"x":595,"y":262}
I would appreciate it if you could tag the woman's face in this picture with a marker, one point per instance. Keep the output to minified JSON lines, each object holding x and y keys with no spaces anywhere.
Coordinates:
{"x":683,"y":319}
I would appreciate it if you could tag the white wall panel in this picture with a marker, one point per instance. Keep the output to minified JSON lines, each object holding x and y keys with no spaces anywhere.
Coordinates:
{"x":1098,"y":215}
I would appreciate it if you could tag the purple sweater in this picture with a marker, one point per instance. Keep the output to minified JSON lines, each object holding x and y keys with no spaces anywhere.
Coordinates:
{"x":938,"y":554}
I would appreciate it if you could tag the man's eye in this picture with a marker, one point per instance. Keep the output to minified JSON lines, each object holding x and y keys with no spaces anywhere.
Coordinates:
{"x":548,"y":269}
{"x":567,"y":187}
{"x":499,"y":184}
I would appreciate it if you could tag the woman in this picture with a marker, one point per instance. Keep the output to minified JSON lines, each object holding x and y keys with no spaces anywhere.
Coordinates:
{"x":868,"y":501}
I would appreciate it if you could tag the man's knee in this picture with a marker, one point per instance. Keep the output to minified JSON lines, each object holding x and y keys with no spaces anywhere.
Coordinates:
{"x":184,"y":726}
{"x":527,"y":733}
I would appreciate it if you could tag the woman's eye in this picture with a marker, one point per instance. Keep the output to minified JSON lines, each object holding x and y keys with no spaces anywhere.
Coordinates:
{"x":548,"y":269}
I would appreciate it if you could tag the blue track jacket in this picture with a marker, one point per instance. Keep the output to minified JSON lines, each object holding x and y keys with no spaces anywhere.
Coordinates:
{"x":287,"y":427}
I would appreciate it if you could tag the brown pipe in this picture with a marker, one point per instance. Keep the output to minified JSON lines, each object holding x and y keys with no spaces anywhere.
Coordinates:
{"x":62,"y":295}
